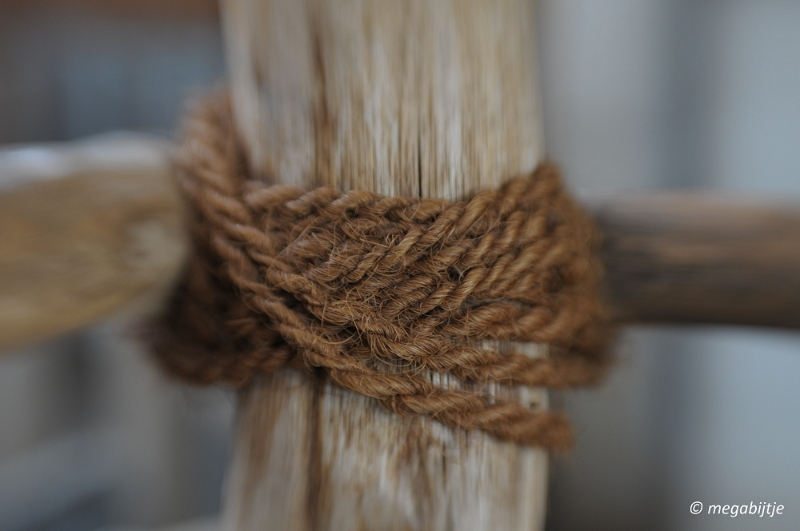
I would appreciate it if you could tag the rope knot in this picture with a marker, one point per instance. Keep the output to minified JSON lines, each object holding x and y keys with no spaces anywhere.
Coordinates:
{"x":380,"y":293}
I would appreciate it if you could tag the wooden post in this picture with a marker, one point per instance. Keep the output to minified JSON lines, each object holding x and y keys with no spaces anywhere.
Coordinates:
{"x":409,"y":97}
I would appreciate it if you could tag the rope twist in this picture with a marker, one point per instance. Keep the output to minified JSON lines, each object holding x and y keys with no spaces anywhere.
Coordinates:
{"x":378,"y":293}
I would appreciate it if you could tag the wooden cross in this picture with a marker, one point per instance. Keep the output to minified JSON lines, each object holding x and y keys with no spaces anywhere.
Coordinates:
{"x":408,"y":97}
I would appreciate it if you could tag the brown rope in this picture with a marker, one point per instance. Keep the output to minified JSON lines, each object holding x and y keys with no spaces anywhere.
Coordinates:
{"x":379,"y":292}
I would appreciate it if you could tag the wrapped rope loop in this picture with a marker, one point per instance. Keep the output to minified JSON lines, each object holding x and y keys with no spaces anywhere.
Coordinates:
{"x":379,"y":292}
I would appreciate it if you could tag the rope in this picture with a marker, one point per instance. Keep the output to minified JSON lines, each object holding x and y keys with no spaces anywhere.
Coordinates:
{"x":378,"y":293}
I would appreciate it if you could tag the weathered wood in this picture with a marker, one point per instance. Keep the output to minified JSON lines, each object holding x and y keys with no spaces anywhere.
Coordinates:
{"x":694,"y":258}
{"x":408,"y":97}
{"x":86,"y":229}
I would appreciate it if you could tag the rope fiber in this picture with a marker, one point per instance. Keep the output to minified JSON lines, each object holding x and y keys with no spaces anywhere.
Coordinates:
{"x":379,"y":293}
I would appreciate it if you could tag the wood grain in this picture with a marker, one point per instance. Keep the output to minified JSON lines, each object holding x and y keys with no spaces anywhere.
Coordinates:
{"x":86,"y":229}
{"x":404,"y":98}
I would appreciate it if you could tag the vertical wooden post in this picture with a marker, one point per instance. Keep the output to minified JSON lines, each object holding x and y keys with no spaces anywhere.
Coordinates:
{"x":408,"y":97}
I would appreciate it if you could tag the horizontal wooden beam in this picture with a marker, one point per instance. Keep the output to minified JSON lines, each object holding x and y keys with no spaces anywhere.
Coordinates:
{"x":96,"y":227}
{"x":87,"y":229}
{"x":702,"y":259}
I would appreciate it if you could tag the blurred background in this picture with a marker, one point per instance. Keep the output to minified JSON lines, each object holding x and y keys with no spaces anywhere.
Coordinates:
{"x":638,"y":95}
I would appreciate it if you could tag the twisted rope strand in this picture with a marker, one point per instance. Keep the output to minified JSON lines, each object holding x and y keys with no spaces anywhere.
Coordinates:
{"x":378,"y":292}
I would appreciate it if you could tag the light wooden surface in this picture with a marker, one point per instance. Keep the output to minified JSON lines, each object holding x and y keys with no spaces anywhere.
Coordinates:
{"x":86,"y":229}
{"x":408,"y":97}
